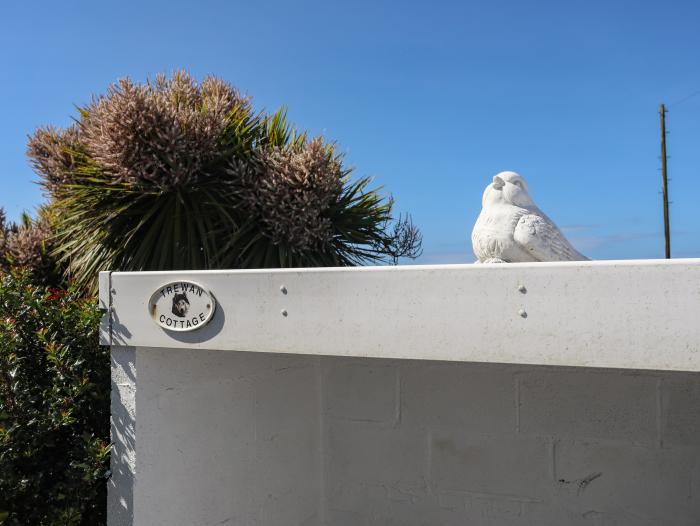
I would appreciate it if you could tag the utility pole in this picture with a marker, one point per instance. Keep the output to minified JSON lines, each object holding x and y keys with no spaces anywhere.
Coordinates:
{"x":664,"y":179}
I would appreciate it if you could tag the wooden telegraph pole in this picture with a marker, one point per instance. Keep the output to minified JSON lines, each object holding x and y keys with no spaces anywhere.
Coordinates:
{"x":664,"y":179}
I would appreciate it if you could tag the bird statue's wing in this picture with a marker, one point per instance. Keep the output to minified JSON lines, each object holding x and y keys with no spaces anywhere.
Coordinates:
{"x":541,"y":238}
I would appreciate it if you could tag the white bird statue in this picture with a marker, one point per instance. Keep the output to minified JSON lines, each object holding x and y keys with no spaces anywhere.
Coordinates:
{"x":511,"y":228}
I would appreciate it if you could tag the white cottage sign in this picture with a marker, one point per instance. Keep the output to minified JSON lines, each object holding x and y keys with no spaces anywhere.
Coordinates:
{"x":181,"y":306}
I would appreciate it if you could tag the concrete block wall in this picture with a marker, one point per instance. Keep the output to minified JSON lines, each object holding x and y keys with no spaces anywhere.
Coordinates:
{"x":214,"y":438}
{"x":211,"y":437}
{"x":433,"y":443}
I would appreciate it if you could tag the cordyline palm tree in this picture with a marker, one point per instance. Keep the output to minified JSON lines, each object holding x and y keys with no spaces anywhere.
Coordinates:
{"x":175,"y":174}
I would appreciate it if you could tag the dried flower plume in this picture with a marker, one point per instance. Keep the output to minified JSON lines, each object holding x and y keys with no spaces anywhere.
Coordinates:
{"x":54,"y":155}
{"x":164,"y":133}
{"x":294,"y":189}
{"x":28,"y":245}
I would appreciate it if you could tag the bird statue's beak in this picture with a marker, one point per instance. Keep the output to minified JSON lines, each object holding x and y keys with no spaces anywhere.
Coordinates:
{"x":498,"y":183}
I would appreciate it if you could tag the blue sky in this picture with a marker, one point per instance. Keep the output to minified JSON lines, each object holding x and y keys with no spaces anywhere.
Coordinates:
{"x":430,"y":98}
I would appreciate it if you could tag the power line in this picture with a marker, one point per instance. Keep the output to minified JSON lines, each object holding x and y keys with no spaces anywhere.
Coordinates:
{"x":687,"y":97}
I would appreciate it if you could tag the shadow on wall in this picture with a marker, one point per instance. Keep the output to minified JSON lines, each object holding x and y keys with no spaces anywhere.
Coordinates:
{"x":123,"y":434}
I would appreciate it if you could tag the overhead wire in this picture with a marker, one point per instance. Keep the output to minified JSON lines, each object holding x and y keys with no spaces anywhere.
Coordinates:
{"x":687,"y":97}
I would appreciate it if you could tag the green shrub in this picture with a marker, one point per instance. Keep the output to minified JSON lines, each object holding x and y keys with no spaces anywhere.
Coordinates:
{"x":54,"y":406}
{"x":175,"y":174}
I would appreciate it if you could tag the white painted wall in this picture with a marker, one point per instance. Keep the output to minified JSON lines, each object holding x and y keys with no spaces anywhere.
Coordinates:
{"x":212,"y":438}
{"x":204,"y":437}
{"x":433,"y":443}
{"x":269,"y":439}
{"x":592,"y":313}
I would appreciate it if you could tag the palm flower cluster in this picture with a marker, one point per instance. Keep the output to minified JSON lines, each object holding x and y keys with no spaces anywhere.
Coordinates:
{"x":162,"y":134}
{"x":175,"y":173}
{"x":53,"y":154}
{"x":292,"y":191}
{"x":28,"y":245}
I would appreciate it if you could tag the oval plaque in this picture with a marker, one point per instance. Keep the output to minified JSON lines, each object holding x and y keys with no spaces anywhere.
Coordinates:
{"x":181,"y":306}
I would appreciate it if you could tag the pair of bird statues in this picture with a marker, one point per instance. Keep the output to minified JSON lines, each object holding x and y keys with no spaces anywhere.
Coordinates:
{"x":511,"y":228}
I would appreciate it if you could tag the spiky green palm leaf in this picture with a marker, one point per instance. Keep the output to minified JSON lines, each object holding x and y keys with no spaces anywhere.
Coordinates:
{"x":106,"y":226}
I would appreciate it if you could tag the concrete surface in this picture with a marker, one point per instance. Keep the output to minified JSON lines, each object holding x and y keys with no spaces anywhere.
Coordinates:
{"x":207,"y":438}
{"x":626,"y":314}
{"x":411,"y":396}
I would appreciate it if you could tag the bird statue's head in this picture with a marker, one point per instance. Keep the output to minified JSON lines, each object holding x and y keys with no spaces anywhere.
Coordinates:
{"x":508,"y":188}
